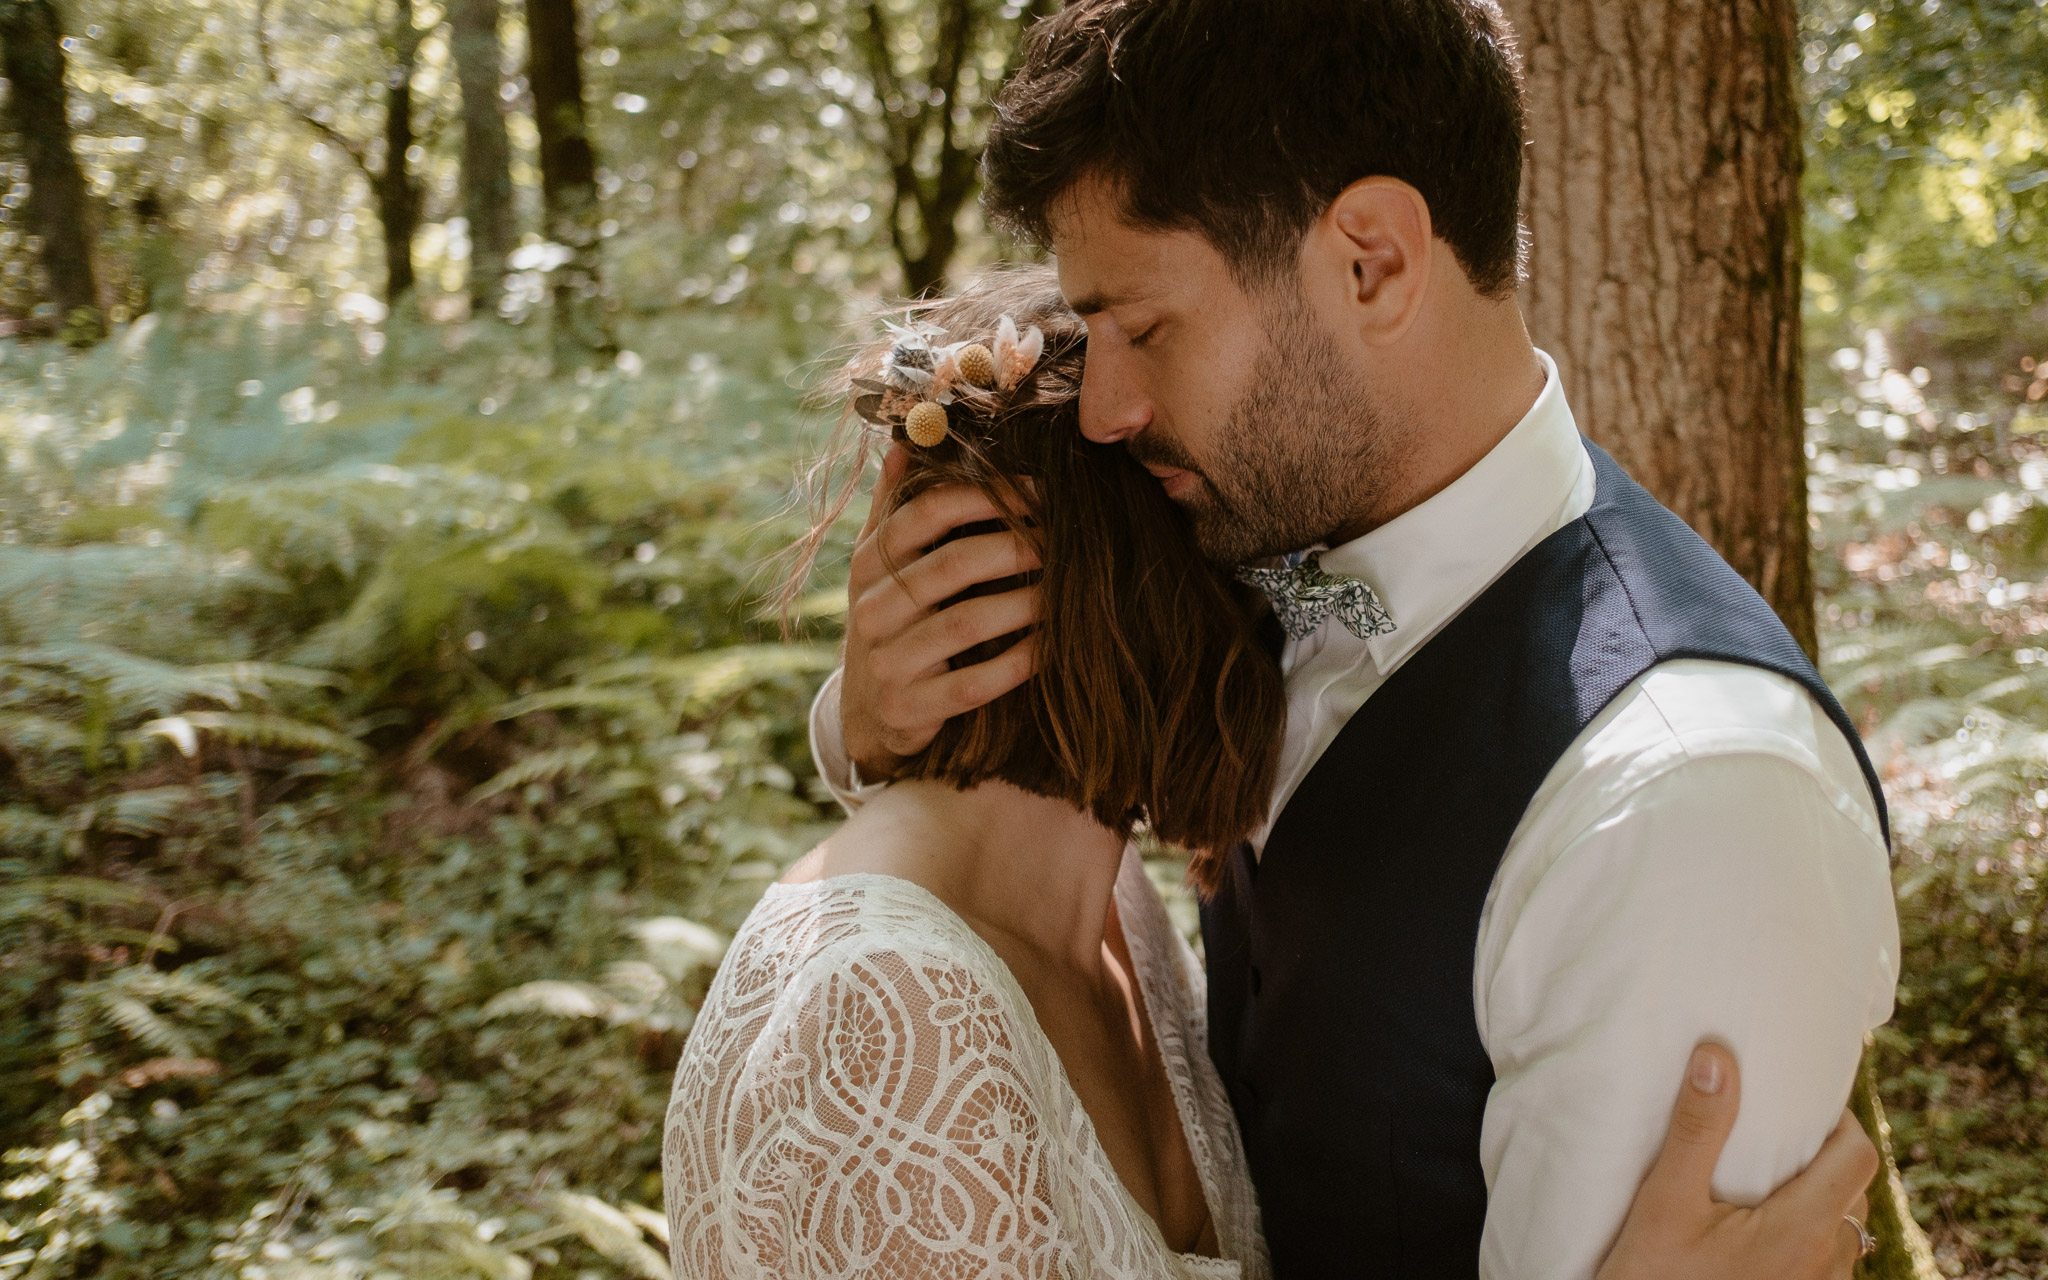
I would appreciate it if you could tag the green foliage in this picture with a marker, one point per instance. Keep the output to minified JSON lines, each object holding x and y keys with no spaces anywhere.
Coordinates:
{"x":369,"y":830}
{"x":1932,"y":567}
{"x":389,"y":739}
{"x":1927,"y":178}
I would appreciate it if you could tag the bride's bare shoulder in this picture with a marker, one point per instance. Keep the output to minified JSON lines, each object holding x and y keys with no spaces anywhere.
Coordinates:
{"x":889,"y":836}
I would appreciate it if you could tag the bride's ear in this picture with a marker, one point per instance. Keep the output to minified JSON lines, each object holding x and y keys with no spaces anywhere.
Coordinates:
{"x":1377,"y":233}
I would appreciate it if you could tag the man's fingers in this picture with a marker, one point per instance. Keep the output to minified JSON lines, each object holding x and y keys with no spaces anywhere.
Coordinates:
{"x":939,"y":698}
{"x":924,"y":649}
{"x":923,"y":520}
{"x":891,"y":604}
{"x":1845,"y":1266}
{"x":1842,"y":1258}
{"x":967,"y":562}
{"x":1848,"y":1250}
{"x":984,"y":682}
{"x":1838,"y":1180}
{"x":1815,"y":1205}
{"x":1708,"y":1100}
{"x":1841,"y":1174}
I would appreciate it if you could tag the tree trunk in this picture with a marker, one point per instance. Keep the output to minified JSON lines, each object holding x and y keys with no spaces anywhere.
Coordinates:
{"x":57,"y":210}
{"x":486,"y":155}
{"x":1662,"y":197}
{"x":568,"y":175}
{"x":398,"y":196}
{"x":1661,"y":192}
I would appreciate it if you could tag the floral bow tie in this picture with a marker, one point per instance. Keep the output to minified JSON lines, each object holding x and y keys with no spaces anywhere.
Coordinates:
{"x":1304,"y":595}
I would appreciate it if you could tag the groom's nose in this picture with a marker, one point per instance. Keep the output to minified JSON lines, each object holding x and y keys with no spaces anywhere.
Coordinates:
{"x":1114,"y":407}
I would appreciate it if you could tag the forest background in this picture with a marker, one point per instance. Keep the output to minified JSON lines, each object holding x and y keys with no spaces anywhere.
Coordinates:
{"x":399,"y":400}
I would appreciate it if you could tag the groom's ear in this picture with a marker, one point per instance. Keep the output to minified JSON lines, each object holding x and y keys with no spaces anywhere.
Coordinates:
{"x":1377,"y":231}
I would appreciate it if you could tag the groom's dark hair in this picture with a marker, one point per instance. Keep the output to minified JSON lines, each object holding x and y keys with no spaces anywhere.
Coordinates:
{"x":1243,"y":119}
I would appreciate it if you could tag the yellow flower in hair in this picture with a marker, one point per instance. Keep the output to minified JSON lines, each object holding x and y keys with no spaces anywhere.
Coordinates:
{"x":926,"y":425}
{"x":977,"y":364}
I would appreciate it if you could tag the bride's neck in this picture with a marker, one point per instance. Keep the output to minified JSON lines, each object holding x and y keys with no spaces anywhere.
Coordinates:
{"x":1035,"y":869}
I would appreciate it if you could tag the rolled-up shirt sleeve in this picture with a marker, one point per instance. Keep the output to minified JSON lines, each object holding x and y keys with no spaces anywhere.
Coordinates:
{"x":1735,"y":892}
{"x":828,"y":748}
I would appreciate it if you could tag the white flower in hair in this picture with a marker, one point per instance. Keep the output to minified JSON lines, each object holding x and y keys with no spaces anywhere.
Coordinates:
{"x":911,"y":358}
{"x":1016,"y":357}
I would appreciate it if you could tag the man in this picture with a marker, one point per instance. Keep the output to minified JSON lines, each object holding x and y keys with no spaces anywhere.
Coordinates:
{"x":1559,"y":797}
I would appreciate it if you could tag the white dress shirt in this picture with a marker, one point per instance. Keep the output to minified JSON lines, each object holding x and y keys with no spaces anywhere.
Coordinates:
{"x":1704,"y":861}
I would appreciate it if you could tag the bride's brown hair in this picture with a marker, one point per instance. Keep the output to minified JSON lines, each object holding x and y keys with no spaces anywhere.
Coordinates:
{"x":1152,"y":699}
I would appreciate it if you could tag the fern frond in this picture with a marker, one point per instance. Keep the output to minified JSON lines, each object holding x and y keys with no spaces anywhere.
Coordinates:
{"x":718,"y":673}
{"x":280,"y":732}
{"x":610,"y":1232}
{"x":556,"y":999}
{"x":23,"y":830}
{"x":39,"y":735}
{"x":654,"y":1224}
{"x":257,"y":678}
{"x":2023,"y":753}
{"x":542,"y":766}
{"x":183,"y":987}
{"x":143,"y":813}
{"x":581,"y":697}
{"x":143,"y":1025}
{"x":136,"y":685}
{"x":635,"y":983}
{"x":1920,"y":721}
{"x":84,"y":891}
{"x":1874,"y":642}
{"x":678,"y":946}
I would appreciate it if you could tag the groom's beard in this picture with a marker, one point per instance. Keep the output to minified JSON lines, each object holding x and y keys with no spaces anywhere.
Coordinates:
{"x":1302,"y":454}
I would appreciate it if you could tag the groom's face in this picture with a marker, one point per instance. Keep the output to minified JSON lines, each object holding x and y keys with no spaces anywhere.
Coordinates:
{"x":1243,"y":402}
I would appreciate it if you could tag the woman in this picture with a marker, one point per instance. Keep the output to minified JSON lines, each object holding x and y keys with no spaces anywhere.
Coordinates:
{"x":961,"y":1037}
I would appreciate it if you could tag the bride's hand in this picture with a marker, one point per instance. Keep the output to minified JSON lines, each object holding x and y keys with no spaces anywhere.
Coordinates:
{"x":1677,"y":1231}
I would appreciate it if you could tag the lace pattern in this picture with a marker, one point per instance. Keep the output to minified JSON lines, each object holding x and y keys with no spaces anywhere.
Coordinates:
{"x":867,"y":1092}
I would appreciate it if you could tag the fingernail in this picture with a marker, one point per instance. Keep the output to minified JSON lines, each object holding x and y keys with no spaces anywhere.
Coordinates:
{"x":1704,"y":1072}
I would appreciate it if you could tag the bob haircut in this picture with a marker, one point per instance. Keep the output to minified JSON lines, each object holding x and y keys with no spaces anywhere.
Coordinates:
{"x":1153,"y":701}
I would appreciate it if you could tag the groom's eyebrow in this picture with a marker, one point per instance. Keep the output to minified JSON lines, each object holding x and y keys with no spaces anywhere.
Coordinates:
{"x":1089,"y":304}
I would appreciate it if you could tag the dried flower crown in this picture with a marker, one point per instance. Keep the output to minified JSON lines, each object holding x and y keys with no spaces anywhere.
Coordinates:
{"x":921,"y":377}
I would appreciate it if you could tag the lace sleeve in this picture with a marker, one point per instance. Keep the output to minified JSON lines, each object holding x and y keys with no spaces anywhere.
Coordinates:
{"x":890,"y":1120}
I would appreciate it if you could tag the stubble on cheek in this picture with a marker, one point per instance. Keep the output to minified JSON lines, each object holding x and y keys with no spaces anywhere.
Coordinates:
{"x":1298,"y":455}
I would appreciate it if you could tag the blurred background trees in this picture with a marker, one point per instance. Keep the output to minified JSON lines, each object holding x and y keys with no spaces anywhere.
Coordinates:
{"x":54,"y":205}
{"x":397,"y":410}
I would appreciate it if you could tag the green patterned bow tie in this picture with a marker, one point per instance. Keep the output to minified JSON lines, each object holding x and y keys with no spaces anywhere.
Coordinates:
{"x":1304,"y":595}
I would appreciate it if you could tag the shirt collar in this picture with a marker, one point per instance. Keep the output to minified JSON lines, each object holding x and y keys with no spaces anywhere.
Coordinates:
{"x":1431,"y":561}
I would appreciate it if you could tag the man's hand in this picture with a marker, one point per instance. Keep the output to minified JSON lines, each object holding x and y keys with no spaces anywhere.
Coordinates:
{"x":1676,"y":1230}
{"x":898,"y":687}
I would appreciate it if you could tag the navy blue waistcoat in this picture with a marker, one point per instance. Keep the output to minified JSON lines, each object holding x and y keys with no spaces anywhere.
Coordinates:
{"x":1341,"y":963}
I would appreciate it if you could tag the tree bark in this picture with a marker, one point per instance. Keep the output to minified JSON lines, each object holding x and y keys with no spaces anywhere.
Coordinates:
{"x":486,"y":155}
{"x":57,"y":210}
{"x":398,"y":196}
{"x":1661,"y":193}
{"x":568,"y":174}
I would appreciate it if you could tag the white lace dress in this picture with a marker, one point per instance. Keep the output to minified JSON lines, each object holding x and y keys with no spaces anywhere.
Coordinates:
{"x":867,"y":1093}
